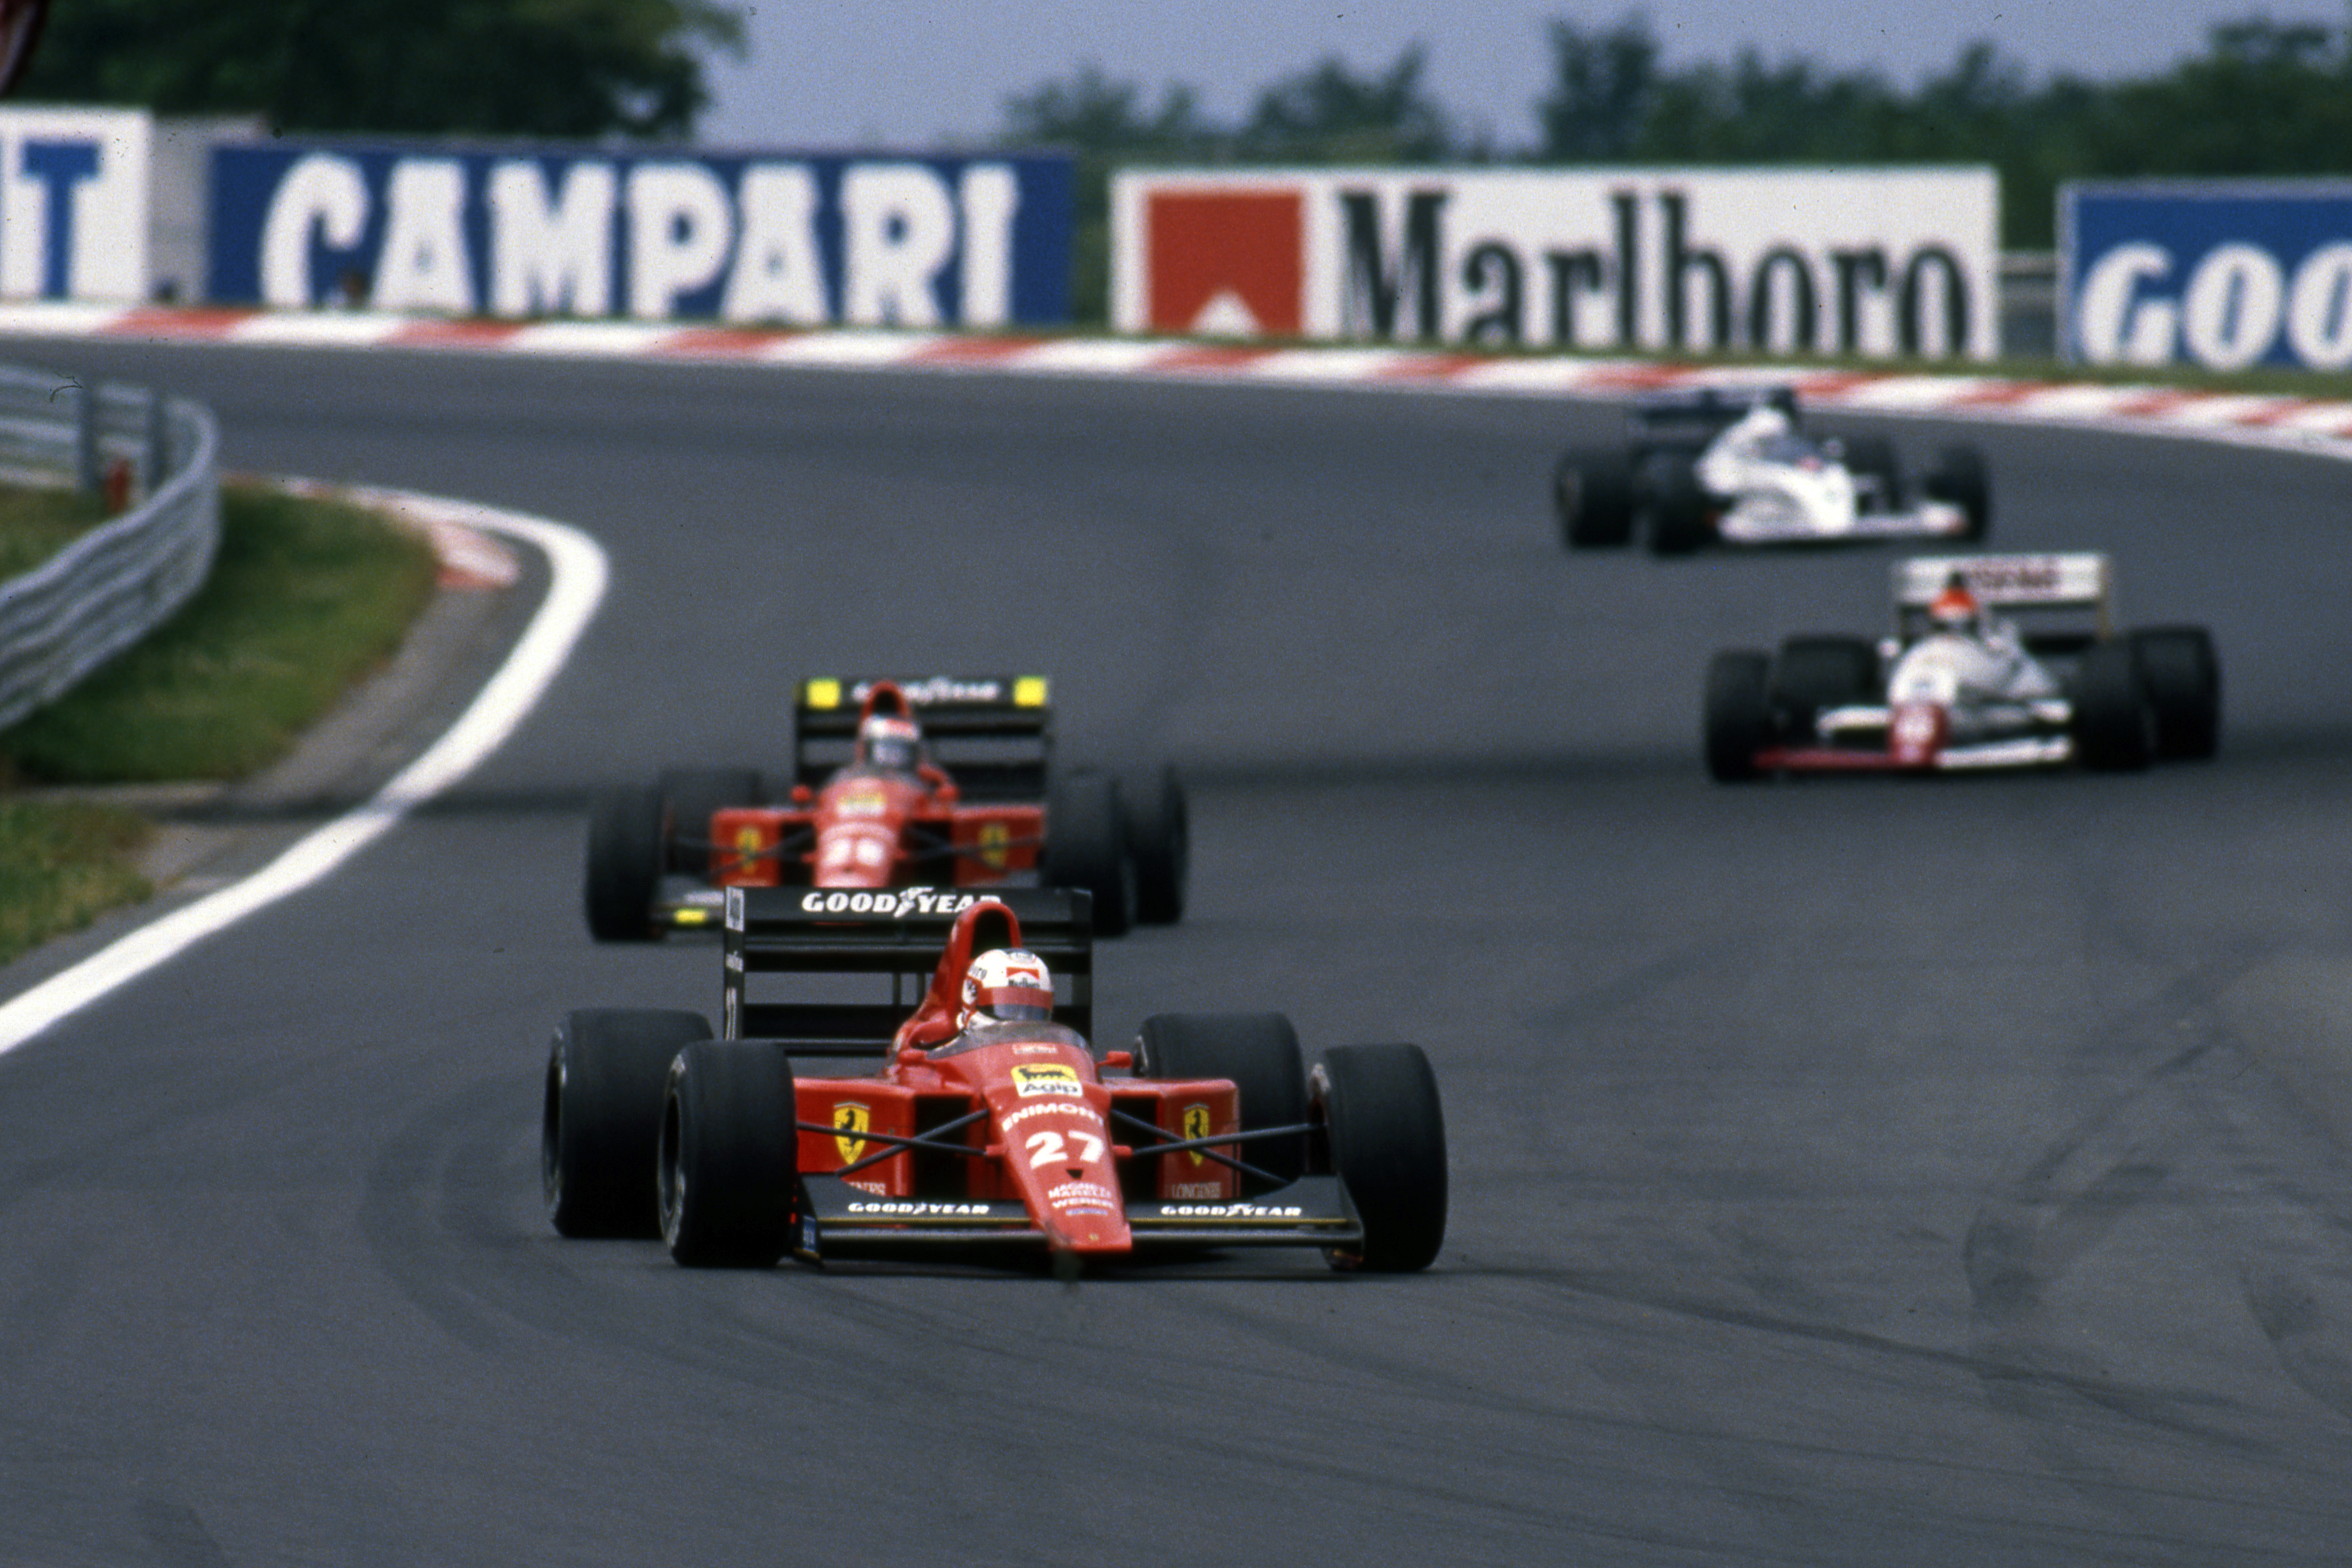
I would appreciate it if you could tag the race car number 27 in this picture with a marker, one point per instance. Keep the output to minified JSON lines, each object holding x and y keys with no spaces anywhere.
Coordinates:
{"x":1048,"y":1148}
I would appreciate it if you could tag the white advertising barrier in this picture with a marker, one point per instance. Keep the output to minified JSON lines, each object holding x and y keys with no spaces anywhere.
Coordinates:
{"x":74,"y":202}
{"x":1875,"y":262}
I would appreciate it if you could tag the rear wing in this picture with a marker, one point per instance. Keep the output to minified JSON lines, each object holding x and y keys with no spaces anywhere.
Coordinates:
{"x":894,"y":932}
{"x":992,"y":733}
{"x":1700,"y":413}
{"x":2058,"y":583}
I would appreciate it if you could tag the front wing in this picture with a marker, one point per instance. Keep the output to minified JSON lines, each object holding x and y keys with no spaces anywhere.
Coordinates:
{"x":1313,"y":1211}
{"x":1929,"y":519}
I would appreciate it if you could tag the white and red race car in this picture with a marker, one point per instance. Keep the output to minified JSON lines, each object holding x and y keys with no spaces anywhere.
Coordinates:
{"x":1958,"y":687}
{"x":1734,"y":466}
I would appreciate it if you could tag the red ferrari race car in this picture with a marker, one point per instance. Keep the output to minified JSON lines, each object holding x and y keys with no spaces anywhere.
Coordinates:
{"x":895,"y":783}
{"x":987,"y":1125}
{"x":1958,"y":687}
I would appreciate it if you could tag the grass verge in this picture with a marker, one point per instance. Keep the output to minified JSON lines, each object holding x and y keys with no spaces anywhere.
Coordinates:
{"x":305,"y":598}
{"x":61,"y":867}
{"x":35,"y":524}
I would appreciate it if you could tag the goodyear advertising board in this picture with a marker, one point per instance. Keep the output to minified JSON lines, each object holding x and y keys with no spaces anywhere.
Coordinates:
{"x":73,"y":204}
{"x":1876,"y":262}
{"x":2220,"y":274}
{"x":749,"y":238}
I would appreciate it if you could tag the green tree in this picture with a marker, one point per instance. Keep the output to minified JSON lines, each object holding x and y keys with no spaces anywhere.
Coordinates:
{"x":1329,"y":114}
{"x":1603,"y":84}
{"x":500,"y":67}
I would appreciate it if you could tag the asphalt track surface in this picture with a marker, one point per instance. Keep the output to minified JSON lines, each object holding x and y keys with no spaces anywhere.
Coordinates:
{"x":1865,"y":1173}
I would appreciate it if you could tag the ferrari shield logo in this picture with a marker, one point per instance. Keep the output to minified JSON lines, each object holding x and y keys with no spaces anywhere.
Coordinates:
{"x":995,"y":845}
{"x":850,"y":1121}
{"x":1197,"y":1125}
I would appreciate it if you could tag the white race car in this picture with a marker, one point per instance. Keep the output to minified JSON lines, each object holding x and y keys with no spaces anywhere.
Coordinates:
{"x":1957,"y":687}
{"x":1733,"y":467}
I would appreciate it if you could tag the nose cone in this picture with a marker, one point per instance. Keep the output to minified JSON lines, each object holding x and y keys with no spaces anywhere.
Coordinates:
{"x":1084,"y":1213}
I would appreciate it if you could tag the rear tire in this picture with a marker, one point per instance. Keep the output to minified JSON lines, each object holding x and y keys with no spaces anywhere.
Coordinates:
{"x":1959,"y":479}
{"x":2115,"y":722}
{"x":1258,"y":1054}
{"x":689,"y":797}
{"x":729,"y":1155}
{"x":1387,"y":1132}
{"x":2183,"y":676}
{"x":1160,"y":840}
{"x":1738,"y":715}
{"x":1593,"y":494}
{"x":600,"y":1120}
{"x":1086,"y":846}
{"x":1816,"y":673}
{"x":622,"y":873}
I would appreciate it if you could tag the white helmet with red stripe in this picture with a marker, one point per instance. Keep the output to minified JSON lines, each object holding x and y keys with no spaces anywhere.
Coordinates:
{"x":1006,"y":986}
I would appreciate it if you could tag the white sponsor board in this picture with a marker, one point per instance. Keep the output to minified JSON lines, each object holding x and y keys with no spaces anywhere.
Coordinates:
{"x":73,"y":202}
{"x":1876,"y":262}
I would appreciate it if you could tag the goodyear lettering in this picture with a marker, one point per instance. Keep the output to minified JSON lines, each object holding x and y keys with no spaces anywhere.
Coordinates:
{"x":904,"y":1209}
{"x":894,"y":903}
{"x":942,"y":689}
{"x":1230,"y":1211}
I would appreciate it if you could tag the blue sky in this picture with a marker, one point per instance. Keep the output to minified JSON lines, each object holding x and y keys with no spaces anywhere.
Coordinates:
{"x":914,"y":73}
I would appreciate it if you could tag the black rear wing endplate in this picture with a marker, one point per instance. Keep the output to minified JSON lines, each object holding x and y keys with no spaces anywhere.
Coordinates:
{"x":992,"y":733}
{"x":896,"y":931}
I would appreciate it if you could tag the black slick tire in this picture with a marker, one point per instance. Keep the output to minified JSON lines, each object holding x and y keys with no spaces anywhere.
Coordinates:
{"x":1258,"y":1054}
{"x":1816,"y":673}
{"x":727,"y":1158}
{"x":1159,"y":838}
{"x":622,"y":870}
{"x":2114,"y":721}
{"x":1737,"y":715}
{"x":1386,"y":1130}
{"x":1873,"y":457}
{"x":1678,"y":513}
{"x":1592,"y":494}
{"x":1086,"y":846}
{"x":689,"y":797}
{"x":1958,"y":478}
{"x":600,"y":1120}
{"x":2183,"y":677}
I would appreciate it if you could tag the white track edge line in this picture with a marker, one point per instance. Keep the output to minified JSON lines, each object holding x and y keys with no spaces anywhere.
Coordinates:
{"x":578,"y":572}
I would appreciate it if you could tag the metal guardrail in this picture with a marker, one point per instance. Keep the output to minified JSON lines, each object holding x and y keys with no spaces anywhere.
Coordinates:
{"x":61,"y":621}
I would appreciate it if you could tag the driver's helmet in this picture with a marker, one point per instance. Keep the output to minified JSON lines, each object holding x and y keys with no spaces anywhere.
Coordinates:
{"x":1955,"y":610}
{"x":887,"y":742}
{"x":1006,"y":986}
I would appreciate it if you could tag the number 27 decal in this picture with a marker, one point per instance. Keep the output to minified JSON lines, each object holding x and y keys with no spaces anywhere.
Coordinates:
{"x":1047,"y":1148}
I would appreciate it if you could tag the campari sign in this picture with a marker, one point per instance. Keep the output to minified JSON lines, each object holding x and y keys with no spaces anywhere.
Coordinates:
{"x":1876,"y":262}
{"x":747,"y":237}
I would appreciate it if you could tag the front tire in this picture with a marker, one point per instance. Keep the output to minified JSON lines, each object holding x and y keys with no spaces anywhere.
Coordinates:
{"x":729,"y":1167}
{"x":1816,"y":673}
{"x":1738,"y":715}
{"x":1158,"y":837}
{"x":1387,"y":1132}
{"x":1086,"y":846}
{"x":600,"y":1120}
{"x":1680,"y":514}
{"x":1258,"y":1054}
{"x":622,"y":874}
{"x":1959,"y":479}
